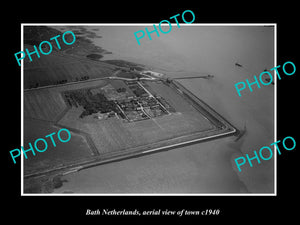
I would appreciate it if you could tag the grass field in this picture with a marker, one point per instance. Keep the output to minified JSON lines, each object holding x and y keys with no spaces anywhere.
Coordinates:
{"x":44,"y":104}
{"x":47,"y":70}
{"x":48,"y":103}
{"x":42,"y":109}
{"x":77,"y":149}
{"x":171,"y":96}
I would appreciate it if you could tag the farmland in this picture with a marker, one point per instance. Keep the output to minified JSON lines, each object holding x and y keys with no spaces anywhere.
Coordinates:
{"x":43,"y":104}
{"x":78,"y":149}
{"x":48,"y":70}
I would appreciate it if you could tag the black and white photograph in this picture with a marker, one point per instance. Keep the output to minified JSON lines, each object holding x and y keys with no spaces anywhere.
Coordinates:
{"x":162,"y":116}
{"x":145,"y":113}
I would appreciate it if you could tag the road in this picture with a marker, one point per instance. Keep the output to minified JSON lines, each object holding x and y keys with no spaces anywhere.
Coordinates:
{"x":113,"y":77}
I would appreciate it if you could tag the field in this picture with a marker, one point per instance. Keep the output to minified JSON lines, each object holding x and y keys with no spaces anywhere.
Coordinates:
{"x":43,"y":104}
{"x":74,"y":151}
{"x":171,"y":96}
{"x":42,"y":109}
{"x":57,"y":67}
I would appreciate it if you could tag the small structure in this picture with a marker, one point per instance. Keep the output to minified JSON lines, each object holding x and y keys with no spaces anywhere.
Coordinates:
{"x":151,"y":73}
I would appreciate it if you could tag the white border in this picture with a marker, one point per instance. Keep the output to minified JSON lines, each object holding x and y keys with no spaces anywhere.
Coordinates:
{"x":275,"y":110}
{"x":151,"y":194}
{"x":22,"y":111}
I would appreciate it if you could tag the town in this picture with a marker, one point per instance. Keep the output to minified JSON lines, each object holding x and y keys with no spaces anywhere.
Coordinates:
{"x":129,"y":101}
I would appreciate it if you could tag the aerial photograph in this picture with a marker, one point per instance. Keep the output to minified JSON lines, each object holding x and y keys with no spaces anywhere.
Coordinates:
{"x":159,"y":118}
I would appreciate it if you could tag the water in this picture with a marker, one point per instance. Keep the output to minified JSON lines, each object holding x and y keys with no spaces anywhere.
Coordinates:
{"x":206,"y":167}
